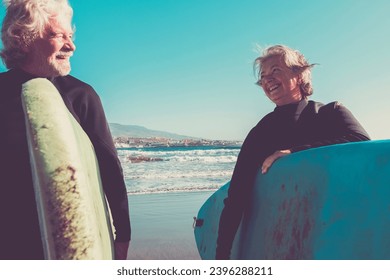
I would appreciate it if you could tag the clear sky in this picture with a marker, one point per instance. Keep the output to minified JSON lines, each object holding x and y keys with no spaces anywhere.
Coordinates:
{"x":185,"y":66}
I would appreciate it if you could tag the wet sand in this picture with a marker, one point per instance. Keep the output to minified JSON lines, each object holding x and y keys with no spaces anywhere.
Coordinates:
{"x":162,"y":225}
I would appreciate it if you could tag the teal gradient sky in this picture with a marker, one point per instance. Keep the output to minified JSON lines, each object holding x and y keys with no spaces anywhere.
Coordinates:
{"x":185,"y":66}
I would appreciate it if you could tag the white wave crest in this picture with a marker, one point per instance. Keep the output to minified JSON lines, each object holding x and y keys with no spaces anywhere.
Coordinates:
{"x":172,"y":190}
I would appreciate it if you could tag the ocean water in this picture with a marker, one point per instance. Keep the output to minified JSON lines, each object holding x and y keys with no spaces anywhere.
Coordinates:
{"x":177,"y":169}
{"x":166,"y":193}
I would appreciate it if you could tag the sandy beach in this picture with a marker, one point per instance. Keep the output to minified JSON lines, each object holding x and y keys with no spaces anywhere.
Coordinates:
{"x":162,"y":225}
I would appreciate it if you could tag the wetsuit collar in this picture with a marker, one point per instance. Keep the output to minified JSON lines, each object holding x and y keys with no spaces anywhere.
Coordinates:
{"x":24,"y":76}
{"x":21,"y":75}
{"x":292,"y":108}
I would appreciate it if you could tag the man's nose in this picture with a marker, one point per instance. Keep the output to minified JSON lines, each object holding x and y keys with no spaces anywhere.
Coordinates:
{"x":69,"y":44}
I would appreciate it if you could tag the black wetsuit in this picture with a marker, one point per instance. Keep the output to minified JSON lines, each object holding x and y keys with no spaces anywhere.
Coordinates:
{"x":19,"y":232}
{"x":297,"y":127}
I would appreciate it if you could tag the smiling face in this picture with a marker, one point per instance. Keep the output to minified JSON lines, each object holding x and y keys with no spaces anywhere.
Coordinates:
{"x":280,"y":83}
{"x":49,"y":54}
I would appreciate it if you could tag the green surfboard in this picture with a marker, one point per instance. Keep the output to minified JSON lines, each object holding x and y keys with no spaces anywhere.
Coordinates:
{"x":73,"y":215}
{"x":328,"y":203}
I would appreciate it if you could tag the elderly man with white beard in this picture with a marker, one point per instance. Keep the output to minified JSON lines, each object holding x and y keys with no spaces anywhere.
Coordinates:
{"x":37,"y":39}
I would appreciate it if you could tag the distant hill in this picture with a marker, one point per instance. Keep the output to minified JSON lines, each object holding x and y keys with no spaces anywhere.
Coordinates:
{"x":120,"y":130}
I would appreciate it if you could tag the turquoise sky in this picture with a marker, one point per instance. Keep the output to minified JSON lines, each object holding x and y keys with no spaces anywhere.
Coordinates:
{"x":185,"y":66}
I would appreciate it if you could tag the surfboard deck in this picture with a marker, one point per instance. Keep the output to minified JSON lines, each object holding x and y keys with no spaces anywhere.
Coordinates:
{"x":73,"y":215}
{"x":328,"y":203}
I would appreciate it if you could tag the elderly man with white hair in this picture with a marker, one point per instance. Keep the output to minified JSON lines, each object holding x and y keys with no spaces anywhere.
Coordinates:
{"x":37,"y":36}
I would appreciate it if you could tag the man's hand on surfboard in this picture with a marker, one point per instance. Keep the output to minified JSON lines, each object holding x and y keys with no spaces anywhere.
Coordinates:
{"x":121,"y":250}
{"x":271,"y":159}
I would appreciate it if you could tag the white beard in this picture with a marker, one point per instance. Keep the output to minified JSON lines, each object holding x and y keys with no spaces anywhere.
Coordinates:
{"x":55,"y":68}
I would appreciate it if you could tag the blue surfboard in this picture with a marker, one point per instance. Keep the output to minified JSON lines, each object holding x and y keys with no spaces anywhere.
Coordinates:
{"x":328,"y":203}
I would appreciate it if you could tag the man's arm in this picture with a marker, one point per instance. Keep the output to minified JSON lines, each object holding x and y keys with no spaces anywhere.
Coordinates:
{"x":95,"y":124}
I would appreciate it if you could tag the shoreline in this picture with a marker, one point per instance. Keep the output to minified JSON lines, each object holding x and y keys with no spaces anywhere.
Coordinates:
{"x":162,"y":225}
